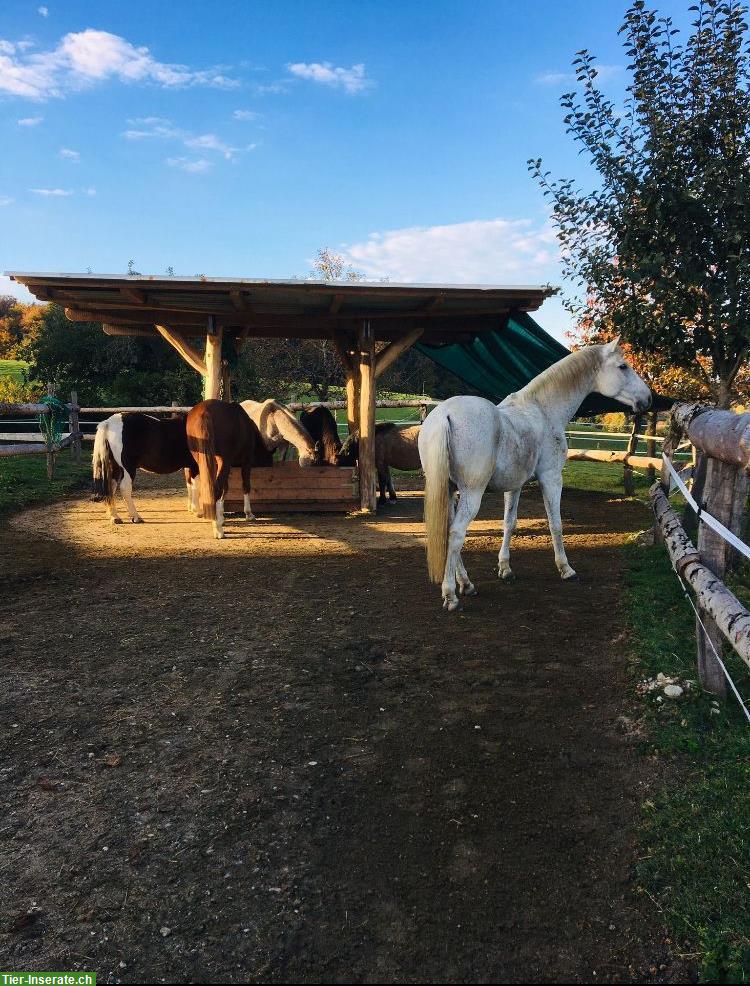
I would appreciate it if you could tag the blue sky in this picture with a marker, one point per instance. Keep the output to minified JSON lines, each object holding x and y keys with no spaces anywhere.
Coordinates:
{"x":237,"y":138}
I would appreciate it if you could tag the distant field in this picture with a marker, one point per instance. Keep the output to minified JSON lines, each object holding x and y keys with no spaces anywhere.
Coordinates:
{"x":13,"y":368}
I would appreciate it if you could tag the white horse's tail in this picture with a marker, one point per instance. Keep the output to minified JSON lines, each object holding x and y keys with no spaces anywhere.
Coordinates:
{"x":102,"y":465}
{"x":437,"y":499}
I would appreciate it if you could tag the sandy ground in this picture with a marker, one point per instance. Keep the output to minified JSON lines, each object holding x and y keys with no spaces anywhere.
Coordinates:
{"x":276,"y":759}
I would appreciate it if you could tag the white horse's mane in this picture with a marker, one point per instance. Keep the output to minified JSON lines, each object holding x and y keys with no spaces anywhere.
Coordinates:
{"x":565,"y":375}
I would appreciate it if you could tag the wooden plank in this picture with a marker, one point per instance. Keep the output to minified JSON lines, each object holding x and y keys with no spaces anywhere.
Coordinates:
{"x":388,"y":356}
{"x":278,"y":507}
{"x":183,"y":347}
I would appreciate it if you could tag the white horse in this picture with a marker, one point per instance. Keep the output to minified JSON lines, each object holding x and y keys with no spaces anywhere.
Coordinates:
{"x":467,"y":444}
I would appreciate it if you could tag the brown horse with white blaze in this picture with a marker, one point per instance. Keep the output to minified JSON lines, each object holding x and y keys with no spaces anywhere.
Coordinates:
{"x":221,"y":435}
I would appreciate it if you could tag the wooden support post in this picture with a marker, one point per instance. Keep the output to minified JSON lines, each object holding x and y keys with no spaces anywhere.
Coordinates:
{"x":350,"y":362}
{"x":74,"y":427}
{"x":48,"y":441}
{"x":367,"y":473}
{"x":719,"y":493}
{"x":212,"y":379}
{"x":651,"y":445}
{"x":627,"y":469}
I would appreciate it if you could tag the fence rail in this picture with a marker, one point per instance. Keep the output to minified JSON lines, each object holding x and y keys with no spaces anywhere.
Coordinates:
{"x":43,"y":443}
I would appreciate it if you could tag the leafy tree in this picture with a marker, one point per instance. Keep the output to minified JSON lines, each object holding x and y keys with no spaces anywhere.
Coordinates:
{"x":658,"y":250}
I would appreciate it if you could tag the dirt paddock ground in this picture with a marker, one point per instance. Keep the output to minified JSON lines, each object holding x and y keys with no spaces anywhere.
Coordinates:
{"x":276,"y":759}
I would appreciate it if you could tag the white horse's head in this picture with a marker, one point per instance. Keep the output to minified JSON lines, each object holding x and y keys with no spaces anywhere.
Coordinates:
{"x":618,"y":380}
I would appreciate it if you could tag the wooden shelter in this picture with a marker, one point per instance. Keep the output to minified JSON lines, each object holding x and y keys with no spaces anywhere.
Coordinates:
{"x":370,"y":324}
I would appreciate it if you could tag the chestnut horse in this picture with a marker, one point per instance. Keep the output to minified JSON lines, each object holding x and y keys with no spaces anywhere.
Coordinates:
{"x":221,"y":435}
{"x":125,"y":443}
{"x":321,"y":425}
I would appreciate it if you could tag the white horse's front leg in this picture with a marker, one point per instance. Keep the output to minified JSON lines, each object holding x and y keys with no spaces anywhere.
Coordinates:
{"x":551,"y":484}
{"x":509,"y":525}
{"x":126,"y":488}
{"x":463,"y":514}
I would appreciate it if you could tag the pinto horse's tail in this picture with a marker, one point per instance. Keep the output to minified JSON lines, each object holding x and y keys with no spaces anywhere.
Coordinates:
{"x":102,"y":465}
{"x":435,"y":462}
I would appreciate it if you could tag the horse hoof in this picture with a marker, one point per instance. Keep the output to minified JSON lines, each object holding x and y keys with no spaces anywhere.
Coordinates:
{"x":452,"y":606}
{"x":136,"y":520}
{"x":506,"y":576}
{"x":249,"y":517}
{"x":571,"y":578}
{"x":116,"y":520}
{"x":470,"y":590}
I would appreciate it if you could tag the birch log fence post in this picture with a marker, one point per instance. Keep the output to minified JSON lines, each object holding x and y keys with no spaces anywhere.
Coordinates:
{"x":722,"y":440}
{"x":627,"y":469}
{"x":651,"y":445}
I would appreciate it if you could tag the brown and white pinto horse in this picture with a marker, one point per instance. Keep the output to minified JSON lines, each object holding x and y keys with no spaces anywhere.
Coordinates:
{"x":125,"y":443}
{"x":221,"y":435}
{"x":321,"y":425}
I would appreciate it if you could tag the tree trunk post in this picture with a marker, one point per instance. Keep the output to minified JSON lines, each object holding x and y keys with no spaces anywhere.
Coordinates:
{"x":367,"y":472}
{"x":627,"y":469}
{"x":212,"y":380}
{"x":74,"y":427}
{"x":651,"y":445}
{"x":714,"y":552}
{"x":48,"y":439}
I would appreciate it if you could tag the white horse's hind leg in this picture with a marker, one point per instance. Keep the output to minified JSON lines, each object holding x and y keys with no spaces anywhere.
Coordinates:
{"x":463,"y":514}
{"x":551,"y":484}
{"x":509,"y":525}
{"x":465,"y":586}
{"x":126,"y":488}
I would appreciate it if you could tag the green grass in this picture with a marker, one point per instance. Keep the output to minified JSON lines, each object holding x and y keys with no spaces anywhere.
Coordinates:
{"x":24,"y":483}
{"x":13,"y":368}
{"x":695,"y":859}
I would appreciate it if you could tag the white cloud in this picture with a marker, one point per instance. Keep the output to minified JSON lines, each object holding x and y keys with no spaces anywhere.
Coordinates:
{"x":272,"y":89}
{"x":350,"y":79}
{"x":43,"y":11}
{"x":245,"y":115}
{"x":155,"y":127}
{"x":5,"y":200}
{"x":57,"y":192}
{"x":70,"y":155}
{"x":30,"y":121}
{"x":85,"y":58}
{"x":193,"y":166}
{"x":482,"y":251}
{"x":90,"y":191}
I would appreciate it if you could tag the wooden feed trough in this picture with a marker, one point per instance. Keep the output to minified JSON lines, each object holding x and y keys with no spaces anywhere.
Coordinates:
{"x":288,"y":488}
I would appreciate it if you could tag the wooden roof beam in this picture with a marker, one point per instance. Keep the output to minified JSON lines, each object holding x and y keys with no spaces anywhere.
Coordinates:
{"x":134,"y":295}
{"x":433,"y":304}
{"x":336,"y":302}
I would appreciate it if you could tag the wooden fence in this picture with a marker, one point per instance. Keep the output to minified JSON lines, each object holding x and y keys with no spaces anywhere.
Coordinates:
{"x":43,"y":444}
{"x":723,"y":438}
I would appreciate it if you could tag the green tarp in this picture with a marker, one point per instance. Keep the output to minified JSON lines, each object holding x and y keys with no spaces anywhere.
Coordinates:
{"x":500,"y":362}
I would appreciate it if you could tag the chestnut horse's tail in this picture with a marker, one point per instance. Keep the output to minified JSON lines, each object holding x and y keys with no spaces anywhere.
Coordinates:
{"x":435,"y":462}
{"x":205,"y":456}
